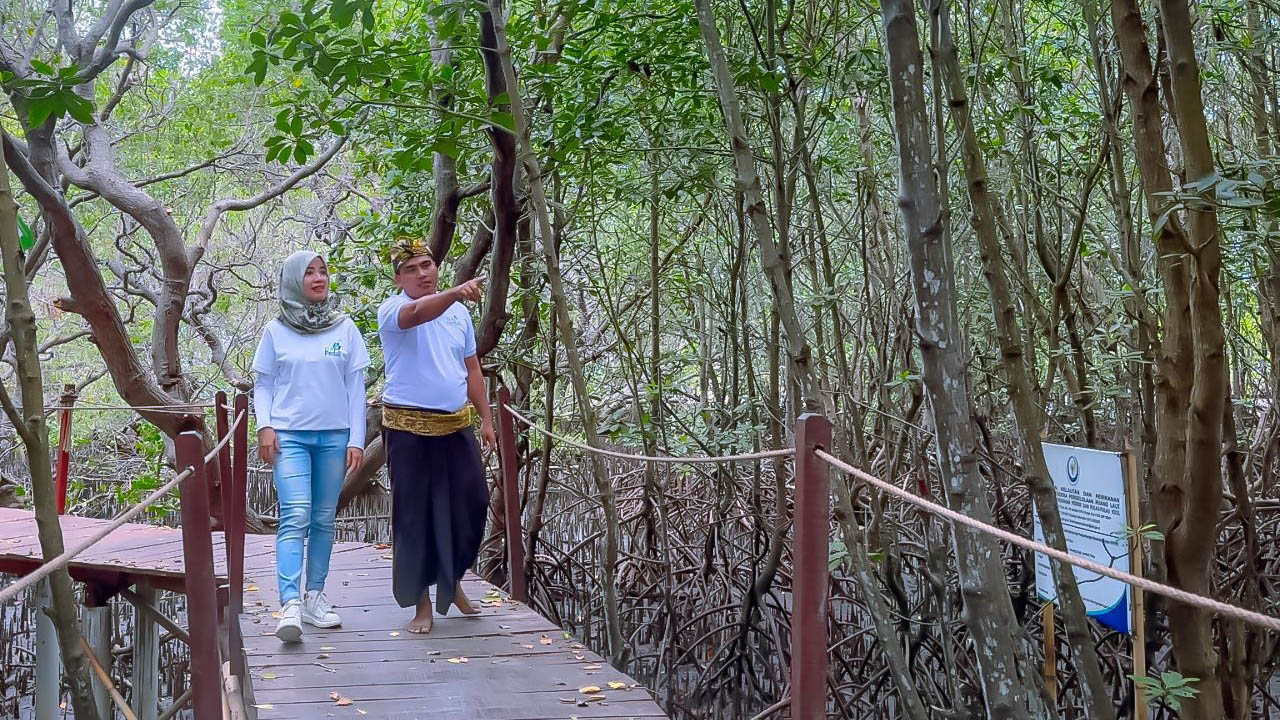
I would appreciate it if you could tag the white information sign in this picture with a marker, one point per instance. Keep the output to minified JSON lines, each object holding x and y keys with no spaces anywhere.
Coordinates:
{"x":1091,"y":500}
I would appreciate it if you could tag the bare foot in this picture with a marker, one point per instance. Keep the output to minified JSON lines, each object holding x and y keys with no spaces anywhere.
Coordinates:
{"x":421,"y":622}
{"x":462,"y":603}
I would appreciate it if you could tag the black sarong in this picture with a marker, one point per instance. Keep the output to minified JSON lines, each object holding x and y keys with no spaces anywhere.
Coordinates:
{"x":439,"y":505}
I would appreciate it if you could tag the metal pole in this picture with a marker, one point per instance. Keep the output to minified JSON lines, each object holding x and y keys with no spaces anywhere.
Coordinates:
{"x":202,"y":593}
{"x":810,"y":551}
{"x":509,"y":461}
{"x":48,"y":659}
{"x":146,"y":656}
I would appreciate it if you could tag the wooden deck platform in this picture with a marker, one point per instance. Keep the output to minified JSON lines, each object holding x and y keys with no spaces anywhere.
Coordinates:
{"x":507,"y":663}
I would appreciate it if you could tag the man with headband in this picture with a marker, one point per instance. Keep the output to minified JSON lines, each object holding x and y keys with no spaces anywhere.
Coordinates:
{"x":434,"y":386}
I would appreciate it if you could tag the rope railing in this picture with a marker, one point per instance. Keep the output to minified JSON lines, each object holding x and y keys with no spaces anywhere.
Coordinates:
{"x":689,"y":459}
{"x":1173,"y":593}
{"x":48,"y":568}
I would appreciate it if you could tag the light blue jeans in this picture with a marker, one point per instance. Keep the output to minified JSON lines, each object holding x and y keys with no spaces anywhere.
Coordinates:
{"x":308,"y":474}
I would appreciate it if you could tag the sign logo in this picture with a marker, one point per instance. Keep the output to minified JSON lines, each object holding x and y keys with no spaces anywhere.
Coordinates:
{"x":335,"y":350}
{"x":1073,"y":470}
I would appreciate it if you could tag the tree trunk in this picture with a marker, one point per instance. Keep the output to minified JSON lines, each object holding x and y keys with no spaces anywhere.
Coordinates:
{"x":1022,"y":396}
{"x":30,"y":425}
{"x":618,"y":651}
{"x":988,"y":612}
{"x":1189,"y":499}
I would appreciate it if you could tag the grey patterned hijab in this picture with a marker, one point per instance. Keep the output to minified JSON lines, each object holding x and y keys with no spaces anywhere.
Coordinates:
{"x":296,"y":311}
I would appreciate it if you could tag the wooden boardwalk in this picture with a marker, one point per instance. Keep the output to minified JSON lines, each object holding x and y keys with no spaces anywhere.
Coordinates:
{"x":508,"y":663}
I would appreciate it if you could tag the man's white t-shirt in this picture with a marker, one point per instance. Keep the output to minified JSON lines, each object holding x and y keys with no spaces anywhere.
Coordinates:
{"x":307,"y":377}
{"x":426,"y":364}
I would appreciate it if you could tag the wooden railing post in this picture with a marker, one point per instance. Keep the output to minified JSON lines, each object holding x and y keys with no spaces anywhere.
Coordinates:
{"x":64,"y":445}
{"x":234,"y":537}
{"x":509,"y":461}
{"x":202,"y":592}
{"x":809,"y":586}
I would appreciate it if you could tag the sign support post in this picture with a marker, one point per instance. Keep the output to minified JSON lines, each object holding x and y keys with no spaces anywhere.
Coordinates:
{"x":1138,"y":604}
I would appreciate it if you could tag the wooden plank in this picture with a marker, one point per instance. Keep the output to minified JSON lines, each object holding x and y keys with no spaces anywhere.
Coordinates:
{"x":519,"y":665}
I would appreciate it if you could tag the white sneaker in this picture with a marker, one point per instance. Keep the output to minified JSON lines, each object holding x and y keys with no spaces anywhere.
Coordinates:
{"x":317,"y":611}
{"x":289,"y":629}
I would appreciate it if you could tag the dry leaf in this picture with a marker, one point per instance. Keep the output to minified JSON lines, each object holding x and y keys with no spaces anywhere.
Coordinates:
{"x":569,"y":700}
{"x":265,"y":706}
{"x":322,"y":656}
{"x":527,"y":647}
{"x":276,"y":615}
{"x":251,"y":588}
{"x":590,"y":667}
{"x":455,"y":661}
{"x":394,"y":634}
{"x":545,"y":640}
{"x":587,"y":690}
{"x":596,"y":698}
{"x":382,"y":546}
{"x":615,"y":685}
{"x":344,"y":701}
{"x":362,"y":712}
{"x":327,"y":647}
{"x":387,"y":556}
{"x":269,"y":676}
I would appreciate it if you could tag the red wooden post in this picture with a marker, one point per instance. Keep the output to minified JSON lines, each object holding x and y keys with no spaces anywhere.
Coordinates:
{"x":235,"y":530}
{"x":64,"y":444}
{"x":509,"y":462}
{"x":809,"y":585}
{"x":202,"y":593}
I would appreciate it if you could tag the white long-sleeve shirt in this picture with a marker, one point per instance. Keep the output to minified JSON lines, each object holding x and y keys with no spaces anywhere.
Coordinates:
{"x":311,"y":382}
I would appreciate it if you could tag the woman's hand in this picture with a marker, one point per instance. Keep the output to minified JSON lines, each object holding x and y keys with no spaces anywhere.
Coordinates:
{"x":268,"y":445}
{"x":355,"y":456}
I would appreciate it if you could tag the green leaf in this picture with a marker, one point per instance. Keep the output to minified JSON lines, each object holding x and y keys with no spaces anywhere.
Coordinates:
{"x":26,"y":237}
{"x":78,"y":108}
{"x":38,"y":111}
{"x":503,"y":119}
{"x":42,"y":67}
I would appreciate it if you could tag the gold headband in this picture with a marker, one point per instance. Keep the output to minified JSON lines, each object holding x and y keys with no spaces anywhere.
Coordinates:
{"x":405,"y":248}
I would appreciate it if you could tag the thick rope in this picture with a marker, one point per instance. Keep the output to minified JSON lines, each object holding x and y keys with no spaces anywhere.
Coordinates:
{"x":12,"y":590}
{"x":176,"y":409}
{"x":1173,"y":593}
{"x":692,"y":459}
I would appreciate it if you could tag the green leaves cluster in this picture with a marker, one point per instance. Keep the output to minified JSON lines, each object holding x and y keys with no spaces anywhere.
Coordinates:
{"x":48,"y":93}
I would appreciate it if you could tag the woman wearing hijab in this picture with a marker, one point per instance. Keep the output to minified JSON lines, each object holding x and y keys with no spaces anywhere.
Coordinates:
{"x":309,"y":401}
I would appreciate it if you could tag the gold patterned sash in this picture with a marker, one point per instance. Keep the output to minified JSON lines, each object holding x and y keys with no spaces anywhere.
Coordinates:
{"x":425,"y":422}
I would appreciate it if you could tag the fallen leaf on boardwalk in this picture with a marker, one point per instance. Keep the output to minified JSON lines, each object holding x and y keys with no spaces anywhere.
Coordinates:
{"x":433,"y":652}
{"x":322,"y":656}
{"x":579,"y":658}
{"x":567,"y":636}
{"x":327,"y":647}
{"x":382,"y":546}
{"x":344,"y":701}
{"x":569,"y":700}
{"x":590,"y":667}
{"x":251,"y":588}
{"x":500,"y":661}
{"x":265,"y":706}
{"x":387,"y":556}
{"x":394,"y":634}
{"x":527,"y":647}
{"x":269,"y":676}
{"x":504,"y":627}
{"x":596,"y":698}
{"x":587,"y":690}
{"x":615,"y":685}
{"x":362,"y":712}
{"x":576,"y":646}
{"x":545,"y":640}
{"x":276,"y":615}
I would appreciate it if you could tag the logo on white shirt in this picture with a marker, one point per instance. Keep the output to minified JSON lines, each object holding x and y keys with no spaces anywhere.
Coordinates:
{"x":334,"y":350}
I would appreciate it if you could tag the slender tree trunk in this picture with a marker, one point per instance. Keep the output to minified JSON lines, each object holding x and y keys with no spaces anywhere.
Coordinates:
{"x":568,"y":338}
{"x":1191,"y":496}
{"x":1022,"y":396}
{"x":988,"y":612}
{"x":30,"y":425}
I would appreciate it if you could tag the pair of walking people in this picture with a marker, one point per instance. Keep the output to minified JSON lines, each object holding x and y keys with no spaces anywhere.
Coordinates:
{"x":309,"y":401}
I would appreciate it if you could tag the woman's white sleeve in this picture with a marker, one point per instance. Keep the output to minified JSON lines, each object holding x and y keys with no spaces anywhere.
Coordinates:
{"x":263,"y":391}
{"x":355,"y":408}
